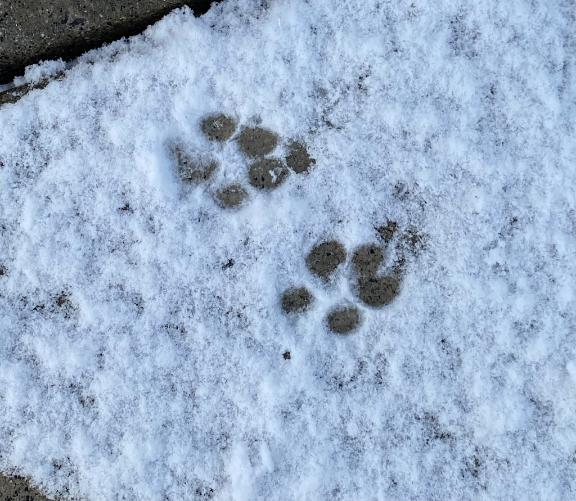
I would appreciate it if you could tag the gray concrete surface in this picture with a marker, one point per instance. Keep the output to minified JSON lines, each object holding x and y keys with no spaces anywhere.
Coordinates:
{"x":36,"y":30}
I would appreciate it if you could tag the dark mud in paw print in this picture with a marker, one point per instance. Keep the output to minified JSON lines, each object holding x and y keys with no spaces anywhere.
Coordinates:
{"x":323,"y":260}
{"x":267,"y":173}
{"x":367,"y":259}
{"x":296,"y":300}
{"x":343,"y":319}
{"x":375,"y":282}
{"x":231,"y":196}
{"x":257,"y":141}
{"x":264,"y":172}
{"x":378,"y":291}
{"x":218,"y":127}
{"x":298,"y":158}
{"x":193,"y":170}
{"x":376,"y":288}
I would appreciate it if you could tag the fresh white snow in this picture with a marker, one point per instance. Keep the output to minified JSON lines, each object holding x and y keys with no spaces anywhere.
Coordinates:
{"x":161,"y":377}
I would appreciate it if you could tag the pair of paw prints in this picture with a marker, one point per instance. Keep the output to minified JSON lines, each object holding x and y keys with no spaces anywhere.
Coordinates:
{"x":265,"y":172}
{"x":372,"y":287}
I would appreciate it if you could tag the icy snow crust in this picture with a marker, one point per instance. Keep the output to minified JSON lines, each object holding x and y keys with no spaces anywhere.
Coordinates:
{"x":134,"y":365}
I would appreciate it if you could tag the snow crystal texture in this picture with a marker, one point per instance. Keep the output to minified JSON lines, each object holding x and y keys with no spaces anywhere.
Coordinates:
{"x":135,"y":364}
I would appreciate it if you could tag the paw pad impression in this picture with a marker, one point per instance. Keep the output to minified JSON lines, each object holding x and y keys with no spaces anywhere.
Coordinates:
{"x":257,"y":144}
{"x":343,"y":319}
{"x":296,"y":300}
{"x":218,"y":127}
{"x":373,"y":287}
{"x":324,"y":258}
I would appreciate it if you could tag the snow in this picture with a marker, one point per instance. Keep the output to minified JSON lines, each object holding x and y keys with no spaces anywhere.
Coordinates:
{"x":37,"y":73}
{"x":161,"y":375}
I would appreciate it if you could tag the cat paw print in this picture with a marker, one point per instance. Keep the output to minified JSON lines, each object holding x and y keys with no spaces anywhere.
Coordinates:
{"x":265,"y":170}
{"x":375,"y":283}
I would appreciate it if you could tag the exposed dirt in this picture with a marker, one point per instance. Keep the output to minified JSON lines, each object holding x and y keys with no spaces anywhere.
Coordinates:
{"x":324,"y":258}
{"x":298,"y":158}
{"x":387,"y":231}
{"x":257,"y":141}
{"x":267,"y":173}
{"x":367,"y":259}
{"x":231,"y":196}
{"x":18,"y":489}
{"x":218,"y":127}
{"x":296,"y":300}
{"x":379,"y":291}
{"x":343,"y":319}
{"x":193,"y":170}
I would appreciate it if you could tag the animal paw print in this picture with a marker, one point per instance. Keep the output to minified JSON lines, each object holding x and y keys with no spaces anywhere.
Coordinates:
{"x":257,"y":144}
{"x":373,"y":286}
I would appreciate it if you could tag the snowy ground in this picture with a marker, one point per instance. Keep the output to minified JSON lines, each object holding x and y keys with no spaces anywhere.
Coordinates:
{"x":135,"y":365}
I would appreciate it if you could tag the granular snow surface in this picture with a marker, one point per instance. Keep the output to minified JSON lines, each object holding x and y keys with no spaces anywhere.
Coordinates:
{"x":143,"y":344}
